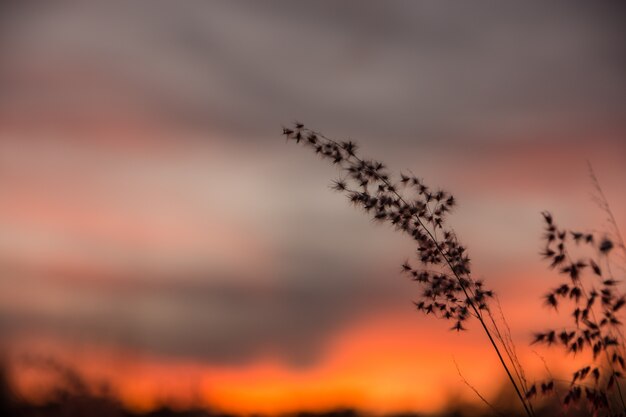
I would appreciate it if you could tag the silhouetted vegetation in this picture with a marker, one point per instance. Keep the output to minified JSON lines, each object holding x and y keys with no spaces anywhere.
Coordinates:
{"x":415,"y":209}
{"x":450,"y":292}
{"x":589,"y":293}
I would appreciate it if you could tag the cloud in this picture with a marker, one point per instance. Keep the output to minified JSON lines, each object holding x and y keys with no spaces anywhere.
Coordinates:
{"x":428,"y":70}
{"x":182,"y":256}
{"x":430,"y":81}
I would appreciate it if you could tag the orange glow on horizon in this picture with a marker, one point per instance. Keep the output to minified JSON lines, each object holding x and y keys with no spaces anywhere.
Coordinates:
{"x":382,"y":364}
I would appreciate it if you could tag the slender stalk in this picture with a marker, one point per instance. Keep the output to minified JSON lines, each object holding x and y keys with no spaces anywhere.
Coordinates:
{"x":483,"y":399}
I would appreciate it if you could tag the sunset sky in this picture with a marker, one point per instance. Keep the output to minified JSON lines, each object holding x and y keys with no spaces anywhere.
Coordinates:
{"x":157,"y":233}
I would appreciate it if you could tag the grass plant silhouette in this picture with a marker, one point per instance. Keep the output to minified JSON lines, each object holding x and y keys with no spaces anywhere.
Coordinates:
{"x":413,"y":208}
{"x":590,"y":293}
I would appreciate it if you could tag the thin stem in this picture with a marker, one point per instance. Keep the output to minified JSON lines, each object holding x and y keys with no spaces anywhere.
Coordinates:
{"x":545,"y":364}
{"x":510,"y":352}
{"x":475,"y":390}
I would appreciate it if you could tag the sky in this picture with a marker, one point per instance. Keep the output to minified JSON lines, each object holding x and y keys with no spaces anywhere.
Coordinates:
{"x":157,"y":232}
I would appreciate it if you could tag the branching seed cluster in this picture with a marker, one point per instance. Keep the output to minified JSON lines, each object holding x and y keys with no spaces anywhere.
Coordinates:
{"x":588,"y":291}
{"x":415,"y":209}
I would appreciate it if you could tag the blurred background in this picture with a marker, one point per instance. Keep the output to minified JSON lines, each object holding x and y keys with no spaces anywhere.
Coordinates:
{"x":160,"y":243}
